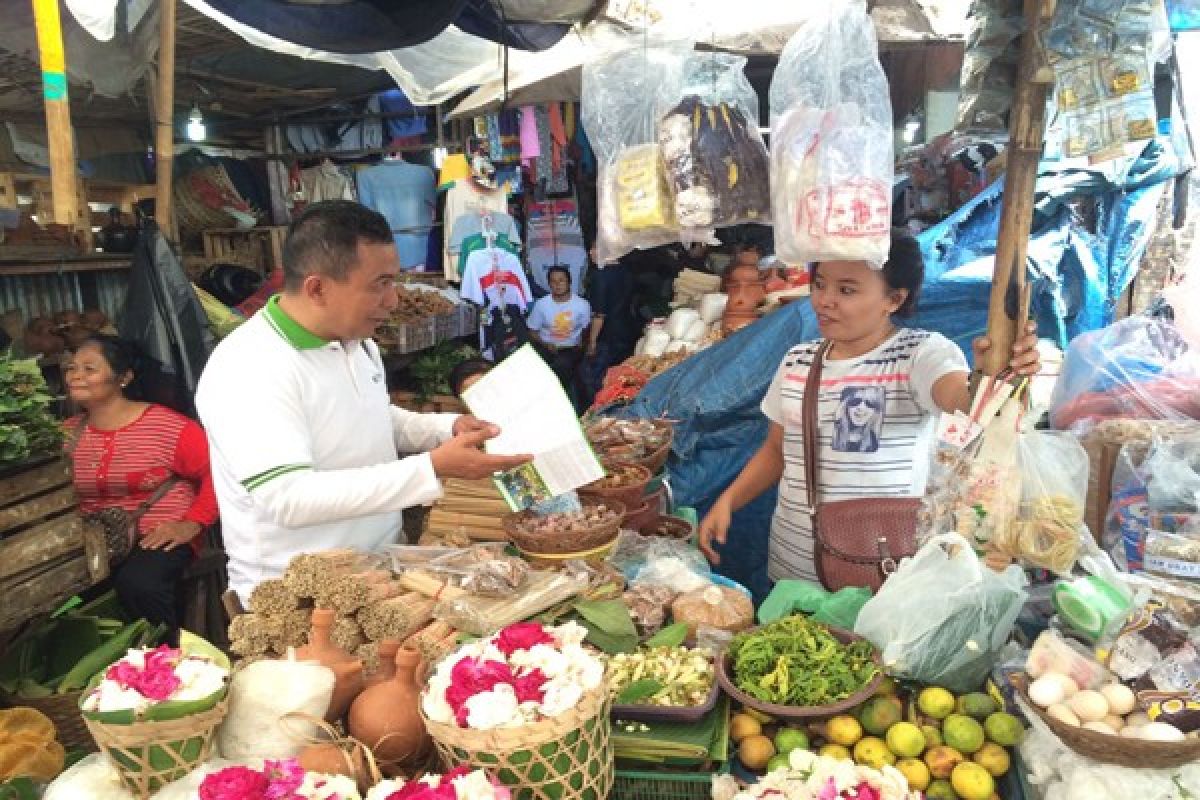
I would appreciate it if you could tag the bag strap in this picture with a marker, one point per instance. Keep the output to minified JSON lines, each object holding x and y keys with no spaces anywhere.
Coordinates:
{"x":812,"y":396}
{"x":145,"y":505}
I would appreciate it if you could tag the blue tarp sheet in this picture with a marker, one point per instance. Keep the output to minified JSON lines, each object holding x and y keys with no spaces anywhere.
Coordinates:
{"x":1077,"y":277}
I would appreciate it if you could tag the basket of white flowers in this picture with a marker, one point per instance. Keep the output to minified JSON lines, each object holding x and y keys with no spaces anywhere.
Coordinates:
{"x":529,"y":705}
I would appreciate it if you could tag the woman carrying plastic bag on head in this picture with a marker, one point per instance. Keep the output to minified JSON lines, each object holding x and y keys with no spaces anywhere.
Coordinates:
{"x":831,"y":141}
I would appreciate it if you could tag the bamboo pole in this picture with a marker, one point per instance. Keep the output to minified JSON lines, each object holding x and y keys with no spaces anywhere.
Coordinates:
{"x":164,"y":116}
{"x":1008,"y":306}
{"x":59,"y":134}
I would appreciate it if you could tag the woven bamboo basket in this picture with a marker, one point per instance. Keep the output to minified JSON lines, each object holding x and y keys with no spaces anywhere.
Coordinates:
{"x":63,"y":711}
{"x":1120,"y":750}
{"x":150,"y":754}
{"x":653,"y":461}
{"x":628,"y":493}
{"x":557,"y":543}
{"x":569,"y":757}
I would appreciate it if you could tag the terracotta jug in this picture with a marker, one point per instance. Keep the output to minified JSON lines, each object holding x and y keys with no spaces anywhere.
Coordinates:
{"x":387,"y":716}
{"x":347,"y":670}
{"x":387,"y":663}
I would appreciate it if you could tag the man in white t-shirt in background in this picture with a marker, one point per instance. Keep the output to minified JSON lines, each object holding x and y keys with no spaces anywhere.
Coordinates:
{"x":556,"y":323}
{"x":305,"y":442}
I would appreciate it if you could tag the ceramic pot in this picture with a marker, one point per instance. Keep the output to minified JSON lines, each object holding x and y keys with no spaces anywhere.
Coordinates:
{"x":387,"y":716}
{"x":332,"y":758}
{"x":347,"y":670}
{"x":387,"y":663}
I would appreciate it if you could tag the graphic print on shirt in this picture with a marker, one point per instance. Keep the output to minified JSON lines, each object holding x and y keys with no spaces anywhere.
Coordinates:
{"x":858,"y":420}
{"x":563,"y":326}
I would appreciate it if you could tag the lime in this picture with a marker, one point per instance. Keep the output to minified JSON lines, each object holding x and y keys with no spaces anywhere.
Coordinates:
{"x":935,"y":702}
{"x":905,"y":740}
{"x":789,"y":739}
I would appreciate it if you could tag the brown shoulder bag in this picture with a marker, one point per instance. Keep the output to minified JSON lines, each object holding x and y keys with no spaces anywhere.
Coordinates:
{"x":855,"y":542}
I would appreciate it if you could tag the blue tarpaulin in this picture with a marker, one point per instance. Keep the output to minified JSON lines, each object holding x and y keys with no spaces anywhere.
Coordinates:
{"x":1076,"y":276}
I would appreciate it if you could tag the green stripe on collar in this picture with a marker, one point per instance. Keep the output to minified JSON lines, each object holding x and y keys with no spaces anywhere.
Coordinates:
{"x":296,"y":334}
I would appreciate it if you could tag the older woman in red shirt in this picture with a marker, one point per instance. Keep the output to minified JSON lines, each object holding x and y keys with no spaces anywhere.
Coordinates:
{"x":143,"y":458}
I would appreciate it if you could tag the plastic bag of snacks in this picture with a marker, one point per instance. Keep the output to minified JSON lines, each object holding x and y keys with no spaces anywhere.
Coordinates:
{"x":831,"y":141}
{"x":715,"y":157}
{"x":1046,"y":530}
{"x":623,"y":95}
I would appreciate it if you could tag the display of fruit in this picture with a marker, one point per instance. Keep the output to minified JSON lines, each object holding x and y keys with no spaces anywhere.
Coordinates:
{"x":953,"y":747}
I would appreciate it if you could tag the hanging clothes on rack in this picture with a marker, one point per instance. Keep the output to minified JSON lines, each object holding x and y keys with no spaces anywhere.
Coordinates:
{"x":463,"y":196}
{"x":467,"y":235}
{"x":494,"y":280}
{"x":404,"y":193}
{"x":555,"y":239}
{"x":327,"y":181}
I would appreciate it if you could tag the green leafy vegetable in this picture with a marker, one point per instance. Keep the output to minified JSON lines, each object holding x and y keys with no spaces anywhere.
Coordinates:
{"x":639,"y":690}
{"x":431,"y":369}
{"x":27,"y":426}
{"x":610,"y":628}
{"x":797,"y":662}
{"x":21,"y":788}
{"x":671,"y":636}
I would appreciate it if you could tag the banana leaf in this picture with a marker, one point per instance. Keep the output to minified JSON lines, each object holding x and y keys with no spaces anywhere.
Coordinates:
{"x":610,"y":628}
{"x":74,"y":637}
{"x":101,"y":658}
{"x":190,"y":644}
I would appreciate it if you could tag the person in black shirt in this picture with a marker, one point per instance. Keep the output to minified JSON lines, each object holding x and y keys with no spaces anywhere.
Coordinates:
{"x":613,"y":331}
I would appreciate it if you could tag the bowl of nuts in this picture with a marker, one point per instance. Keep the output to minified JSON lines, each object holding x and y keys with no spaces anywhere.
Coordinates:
{"x":595,"y":525}
{"x":625,"y":483}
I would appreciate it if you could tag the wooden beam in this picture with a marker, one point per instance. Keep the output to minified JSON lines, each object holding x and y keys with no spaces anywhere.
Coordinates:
{"x":164,"y":120}
{"x":60,"y":136}
{"x":277,"y":175}
{"x":1008,"y":306}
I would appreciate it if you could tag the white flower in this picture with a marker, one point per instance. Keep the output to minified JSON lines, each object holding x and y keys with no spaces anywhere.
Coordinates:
{"x":429,"y":779}
{"x":548,"y":659}
{"x":569,"y":633}
{"x":200,"y":678}
{"x":560,"y":697}
{"x":318,"y":786}
{"x":493,"y":709}
{"x":380,"y":791}
{"x":110,"y":696}
{"x":474,"y":786}
{"x":585,"y":667}
{"x":433,"y":701}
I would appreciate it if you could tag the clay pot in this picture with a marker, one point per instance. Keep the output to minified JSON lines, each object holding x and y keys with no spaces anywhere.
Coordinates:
{"x":331,"y":758}
{"x":347,"y":670}
{"x":387,"y":663}
{"x":387,"y":716}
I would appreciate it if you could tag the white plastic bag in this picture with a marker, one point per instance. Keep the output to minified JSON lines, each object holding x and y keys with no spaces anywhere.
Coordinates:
{"x":942,"y":618}
{"x":260,"y":695}
{"x":623,"y":94}
{"x":831,"y":141}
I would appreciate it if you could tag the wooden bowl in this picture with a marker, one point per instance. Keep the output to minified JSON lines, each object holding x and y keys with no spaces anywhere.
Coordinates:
{"x":628,"y":494}
{"x":725,"y":678}
{"x":577,"y":541}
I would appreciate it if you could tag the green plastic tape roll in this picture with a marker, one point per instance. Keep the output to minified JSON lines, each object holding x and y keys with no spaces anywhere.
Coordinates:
{"x":1088,"y":605}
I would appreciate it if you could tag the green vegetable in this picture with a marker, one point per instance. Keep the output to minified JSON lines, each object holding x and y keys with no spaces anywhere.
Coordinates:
{"x":797,"y":662}
{"x":610,"y":628}
{"x":74,"y":637}
{"x":661,"y":676}
{"x":671,"y":636}
{"x":27,"y":426}
{"x":431,"y":369}
{"x":638,"y":691}
{"x":102,"y":657}
{"x":21,"y":788}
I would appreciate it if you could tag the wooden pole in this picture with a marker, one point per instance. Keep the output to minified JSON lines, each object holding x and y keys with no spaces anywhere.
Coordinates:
{"x":60,"y":136}
{"x":1008,"y":307}
{"x":164,"y":115}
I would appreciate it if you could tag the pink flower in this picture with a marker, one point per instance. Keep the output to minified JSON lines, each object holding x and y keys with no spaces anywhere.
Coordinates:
{"x":285,"y":776}
{"x":829,"y":791}
{"x":156,"y":680}
{"x":234,"y":783}
{"x":158,"y":684}
{"x":865,"y":791}
{"x":522,"y":636}
{"x":529,"y":687}
{"x":472,"y":676}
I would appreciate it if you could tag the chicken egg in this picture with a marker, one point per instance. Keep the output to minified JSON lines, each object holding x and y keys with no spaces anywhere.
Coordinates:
{"x":1161,"y":732}
{"x":1099,"y":727}
{"x":1089,"y":705}
{"x":1063,"y":715}
{"x":1120,"y":698}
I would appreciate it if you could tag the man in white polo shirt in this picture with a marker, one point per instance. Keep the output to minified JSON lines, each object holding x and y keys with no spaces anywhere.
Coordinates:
{"x":304,"y":440}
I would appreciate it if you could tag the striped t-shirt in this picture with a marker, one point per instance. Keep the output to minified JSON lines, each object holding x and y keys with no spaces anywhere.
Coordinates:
{"x":875,"y":418}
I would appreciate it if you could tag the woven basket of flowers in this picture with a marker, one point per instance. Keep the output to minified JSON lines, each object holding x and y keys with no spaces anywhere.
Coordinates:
{"x":529,"y":705}
{"x":154,"y":712}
